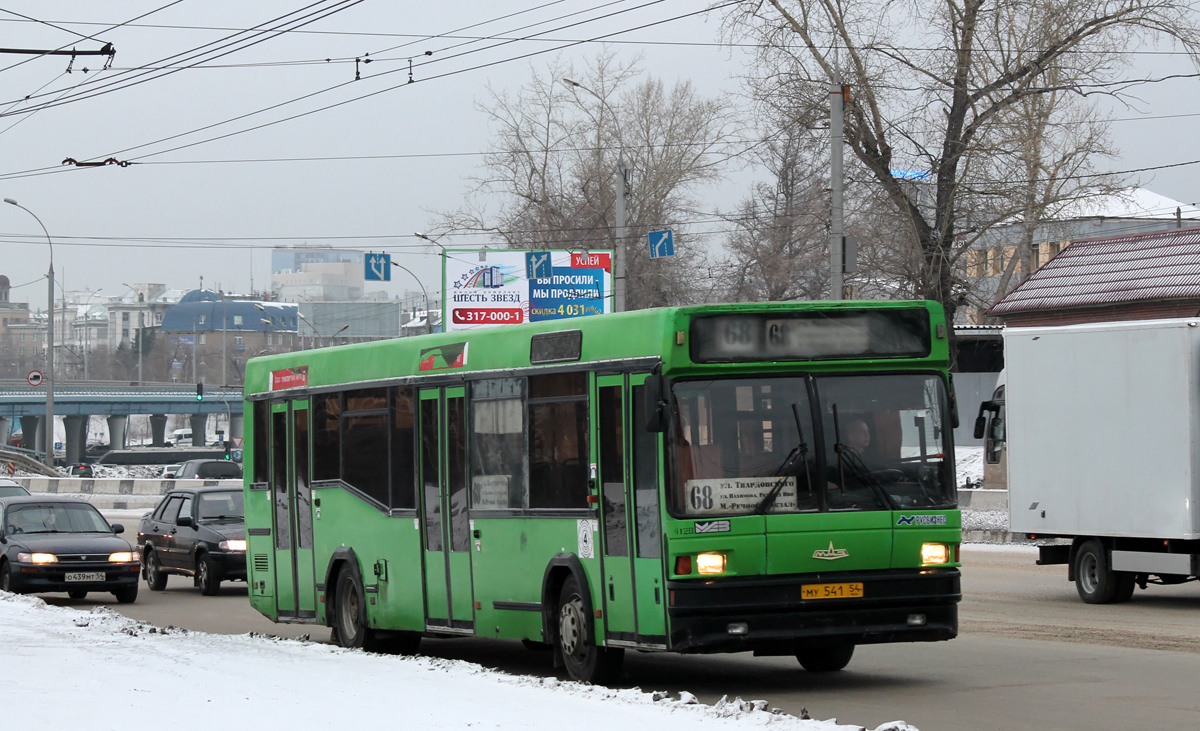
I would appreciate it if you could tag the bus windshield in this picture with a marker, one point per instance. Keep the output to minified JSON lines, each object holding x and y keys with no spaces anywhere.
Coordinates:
{"x":746,"y":446}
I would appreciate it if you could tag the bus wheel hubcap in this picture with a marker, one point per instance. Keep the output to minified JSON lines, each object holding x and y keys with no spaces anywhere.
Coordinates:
{"x":570,"y":628}
{"x":349,"y":615}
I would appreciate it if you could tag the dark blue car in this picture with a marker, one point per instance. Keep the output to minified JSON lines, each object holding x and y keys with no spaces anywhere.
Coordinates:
{"x":51,"y":544}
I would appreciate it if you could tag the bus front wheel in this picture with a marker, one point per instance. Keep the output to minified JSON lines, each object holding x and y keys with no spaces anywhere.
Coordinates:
{"x":584,"y":661}
{"x":825,"y":658}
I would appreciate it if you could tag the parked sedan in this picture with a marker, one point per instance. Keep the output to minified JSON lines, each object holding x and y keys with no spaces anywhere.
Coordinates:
{"x":63,"y":544}
{"x":198,"y":532}
{"x":208,"y":469}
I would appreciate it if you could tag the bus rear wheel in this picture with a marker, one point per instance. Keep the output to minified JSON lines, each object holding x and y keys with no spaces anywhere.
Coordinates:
{"x":825,"y":658}
{"x":350,"y":611}
{"x":584,"y":661}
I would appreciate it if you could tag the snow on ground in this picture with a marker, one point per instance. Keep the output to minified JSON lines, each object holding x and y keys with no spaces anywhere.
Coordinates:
{"x":984,"y":519}
{"x":117,"y":672}
{"x":968,"y":464}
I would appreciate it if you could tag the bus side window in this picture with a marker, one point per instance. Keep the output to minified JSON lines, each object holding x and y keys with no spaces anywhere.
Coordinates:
{"x":403,"y":446}
{"x":497,"y":445}
{"x":558,"y":441}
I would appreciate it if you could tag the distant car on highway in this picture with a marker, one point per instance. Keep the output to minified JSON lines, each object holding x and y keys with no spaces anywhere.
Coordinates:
{"x":209,"y":469}
{"x":10,"y":488}
{"x":81,"y":470}
{"x":51,"y":543}
{"x":198,"y":532}
{"x":168,"y":472}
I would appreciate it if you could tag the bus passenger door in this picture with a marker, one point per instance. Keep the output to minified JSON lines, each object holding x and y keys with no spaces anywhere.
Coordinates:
{"x":291,"y":498}
{"x":645,"y":529}
{"x":454,"y":490}
{"x":619,"y":604}
{"x":449,"y":603}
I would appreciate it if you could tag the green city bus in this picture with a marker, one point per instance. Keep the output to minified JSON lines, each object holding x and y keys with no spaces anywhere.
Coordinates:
{"x":775,"y":478}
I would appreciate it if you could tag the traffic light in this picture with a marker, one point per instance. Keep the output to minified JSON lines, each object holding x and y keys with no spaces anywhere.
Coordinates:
{"x":199,"y":391}
{"x":228,"y":444}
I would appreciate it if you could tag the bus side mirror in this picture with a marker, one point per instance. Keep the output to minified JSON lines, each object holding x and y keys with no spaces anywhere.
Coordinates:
{"x":655,"y":404}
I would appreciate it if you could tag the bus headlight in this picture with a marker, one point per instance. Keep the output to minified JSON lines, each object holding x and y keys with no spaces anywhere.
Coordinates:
{"x":710,"y":563}
{"x":934,"y":553}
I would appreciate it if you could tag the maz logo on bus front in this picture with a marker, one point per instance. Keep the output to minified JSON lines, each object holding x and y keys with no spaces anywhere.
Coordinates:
{"x":831,"y":553}
{"x":712,"y":526}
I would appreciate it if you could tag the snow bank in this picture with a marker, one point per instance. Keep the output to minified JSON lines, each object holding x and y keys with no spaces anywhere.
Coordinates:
{"x":104,"y":664}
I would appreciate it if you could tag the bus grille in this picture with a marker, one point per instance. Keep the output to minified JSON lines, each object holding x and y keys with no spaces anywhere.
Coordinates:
{"x":261,"y":562}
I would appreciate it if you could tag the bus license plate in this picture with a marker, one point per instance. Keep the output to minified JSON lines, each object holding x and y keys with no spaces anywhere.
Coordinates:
{"x":831,"y":591}
{"x":86,"y":576}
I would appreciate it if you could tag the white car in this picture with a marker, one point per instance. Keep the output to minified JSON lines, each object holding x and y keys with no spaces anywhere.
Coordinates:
{"x":169,"y":471}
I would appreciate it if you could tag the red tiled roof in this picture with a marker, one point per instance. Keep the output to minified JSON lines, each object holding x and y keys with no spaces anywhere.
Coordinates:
{"x":1163,"y":265}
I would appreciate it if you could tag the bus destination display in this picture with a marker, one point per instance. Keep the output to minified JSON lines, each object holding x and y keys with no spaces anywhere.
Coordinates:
{"x":899,"y":333}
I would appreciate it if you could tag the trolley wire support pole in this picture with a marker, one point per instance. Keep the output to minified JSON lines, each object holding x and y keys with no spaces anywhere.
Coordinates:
{"x":621,"y":187}
{"x":49,"y":342}
{"x":837,"y":98}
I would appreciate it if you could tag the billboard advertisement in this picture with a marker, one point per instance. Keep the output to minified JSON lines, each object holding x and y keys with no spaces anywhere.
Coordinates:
{"x":513,"y":286}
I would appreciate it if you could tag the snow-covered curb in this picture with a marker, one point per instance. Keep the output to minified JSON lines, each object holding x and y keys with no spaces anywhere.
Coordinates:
{"x":109,"y":664}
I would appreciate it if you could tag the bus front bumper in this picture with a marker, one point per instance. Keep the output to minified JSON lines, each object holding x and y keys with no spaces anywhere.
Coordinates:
{"x":768,"y":616}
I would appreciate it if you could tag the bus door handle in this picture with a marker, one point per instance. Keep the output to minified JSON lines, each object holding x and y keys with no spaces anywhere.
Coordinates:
{"x":611,"y":592}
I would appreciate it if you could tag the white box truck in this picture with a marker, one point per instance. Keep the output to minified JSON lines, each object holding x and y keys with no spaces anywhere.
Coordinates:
{"x":1100,"y":426}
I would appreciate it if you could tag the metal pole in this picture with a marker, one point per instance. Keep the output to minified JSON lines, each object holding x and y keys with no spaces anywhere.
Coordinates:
{"x":621,"y":183}
{"x":49,"y":377}
{"x":50,"y":365}
{"x":141,"y":345}
{"x":193,"y":352}
{"x":224,"y":347}
{"x":836,"y":226}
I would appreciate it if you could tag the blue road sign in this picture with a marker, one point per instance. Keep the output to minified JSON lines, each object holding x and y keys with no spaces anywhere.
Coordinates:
{"x":537,"y":265}
{"x":662,"y":243}
{"x":378,"y":267}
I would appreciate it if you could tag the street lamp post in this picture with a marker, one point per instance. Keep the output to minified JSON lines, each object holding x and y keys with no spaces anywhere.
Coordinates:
{"x":141,"y":324}
{"x":87,"y":330}
{"x":442,"y":254}
{"x":621,"y":183}
{"x":49,"y":428}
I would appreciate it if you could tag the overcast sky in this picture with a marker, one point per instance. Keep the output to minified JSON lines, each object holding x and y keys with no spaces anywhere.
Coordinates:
{"x":115,"y":225}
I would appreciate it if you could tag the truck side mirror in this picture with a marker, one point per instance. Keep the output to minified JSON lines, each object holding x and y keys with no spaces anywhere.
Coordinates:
{"x":655,"y":405}
{"x":981,"y":420}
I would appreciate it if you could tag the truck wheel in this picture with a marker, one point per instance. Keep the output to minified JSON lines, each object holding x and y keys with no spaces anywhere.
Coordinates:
{"x":825,"y":658}
{"x":1094,"y":580}
{"x":584,"y":661}
{"x":1126,"y":582}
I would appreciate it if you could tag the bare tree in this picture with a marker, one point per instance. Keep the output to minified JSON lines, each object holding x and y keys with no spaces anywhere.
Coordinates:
{"x":933,"y":89}
{"x":551,"y":168}
{"x":778,"y":249}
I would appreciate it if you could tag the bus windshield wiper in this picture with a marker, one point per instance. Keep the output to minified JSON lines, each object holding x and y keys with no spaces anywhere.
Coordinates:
{"x":800,"y":449}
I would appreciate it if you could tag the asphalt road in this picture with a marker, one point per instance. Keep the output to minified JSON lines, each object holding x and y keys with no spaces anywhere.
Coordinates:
{"x":1030,"y":655}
